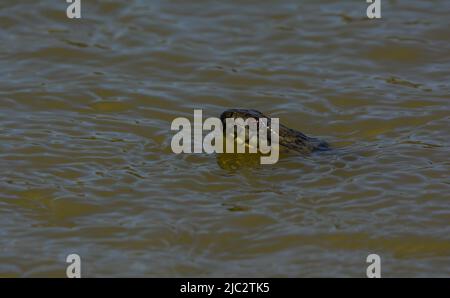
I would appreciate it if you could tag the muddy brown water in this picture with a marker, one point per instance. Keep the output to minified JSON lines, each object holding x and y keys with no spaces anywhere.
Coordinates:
{"x":85,"y":159}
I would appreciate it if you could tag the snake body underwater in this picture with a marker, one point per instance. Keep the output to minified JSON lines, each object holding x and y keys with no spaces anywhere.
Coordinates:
{"x":290,"y":139}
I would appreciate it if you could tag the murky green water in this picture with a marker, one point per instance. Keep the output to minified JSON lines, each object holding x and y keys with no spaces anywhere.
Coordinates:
{"x":85,"y":159}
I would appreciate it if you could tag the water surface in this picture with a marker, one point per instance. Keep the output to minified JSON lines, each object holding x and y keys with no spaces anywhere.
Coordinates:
{"x":85,"y":159}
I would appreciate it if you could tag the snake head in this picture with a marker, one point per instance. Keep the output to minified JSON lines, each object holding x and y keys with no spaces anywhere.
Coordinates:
{"x":250,"y":117}
{"x":289,"y":138}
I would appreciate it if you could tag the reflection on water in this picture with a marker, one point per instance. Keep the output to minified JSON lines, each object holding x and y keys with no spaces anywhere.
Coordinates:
{"x":85,"y":159}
